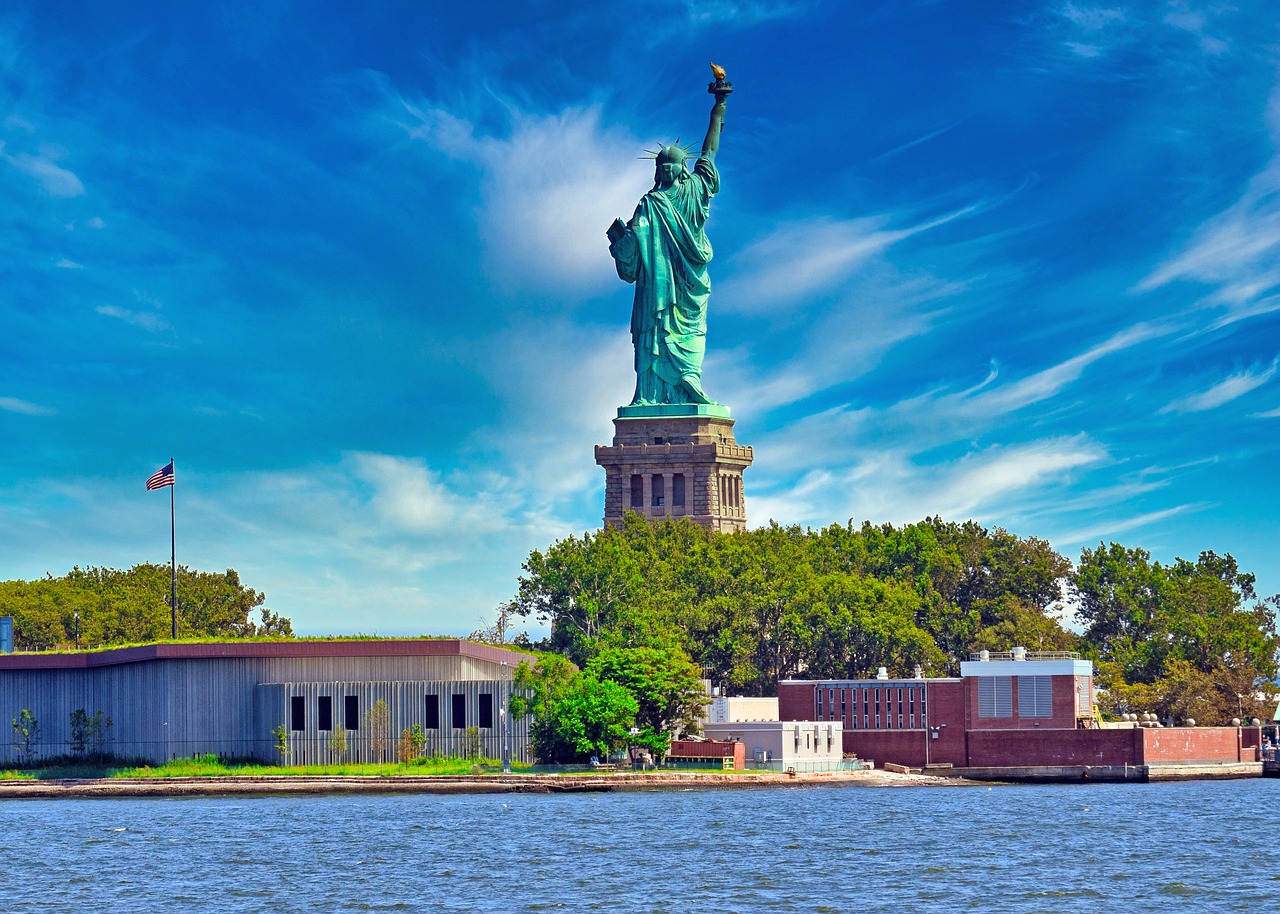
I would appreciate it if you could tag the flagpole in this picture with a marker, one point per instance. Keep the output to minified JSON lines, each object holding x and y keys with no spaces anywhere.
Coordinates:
{"x":173,"y":564}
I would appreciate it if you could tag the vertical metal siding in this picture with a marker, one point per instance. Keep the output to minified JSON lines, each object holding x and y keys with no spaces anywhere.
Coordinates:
{"x":164,"y":709}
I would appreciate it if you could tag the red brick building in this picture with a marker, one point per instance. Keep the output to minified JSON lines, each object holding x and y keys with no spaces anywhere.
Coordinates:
{"x":1015,"y":709}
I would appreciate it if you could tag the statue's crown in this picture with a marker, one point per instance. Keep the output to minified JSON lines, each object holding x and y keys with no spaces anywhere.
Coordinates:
{"x":675,"y":154}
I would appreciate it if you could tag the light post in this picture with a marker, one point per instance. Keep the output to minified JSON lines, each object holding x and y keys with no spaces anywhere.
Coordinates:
{"x":503,"y":720}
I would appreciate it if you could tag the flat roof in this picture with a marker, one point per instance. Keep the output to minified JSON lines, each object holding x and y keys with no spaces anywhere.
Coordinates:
{"x":213,"y":650}
{"x":831,"y":683}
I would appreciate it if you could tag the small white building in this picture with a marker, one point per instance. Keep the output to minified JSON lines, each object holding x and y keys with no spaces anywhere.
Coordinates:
{"x":785,"y":745}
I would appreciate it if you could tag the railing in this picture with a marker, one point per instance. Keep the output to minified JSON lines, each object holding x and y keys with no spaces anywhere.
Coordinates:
{"x":1025,"y":655}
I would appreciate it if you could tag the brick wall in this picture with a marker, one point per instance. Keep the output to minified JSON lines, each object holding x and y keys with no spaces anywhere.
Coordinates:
{"x":1019,"y":748}
{"x":796,"y":701}
{"x":1197,"y":744}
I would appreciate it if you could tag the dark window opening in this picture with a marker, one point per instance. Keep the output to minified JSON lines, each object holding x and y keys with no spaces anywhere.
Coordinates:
{"x":658,"y":493}
{"x":486,"y":711}
{"x":297,"y":713}
{"x":637,"y":491}
{"x":324,"y":716}
{"x":351,"y":712}
{"x":677,"y":490}
{"x":459,"y":712}
{"x":433,"y":713}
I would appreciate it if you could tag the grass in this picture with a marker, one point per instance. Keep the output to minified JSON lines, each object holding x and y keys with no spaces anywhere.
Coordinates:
{"x":206,"y":766}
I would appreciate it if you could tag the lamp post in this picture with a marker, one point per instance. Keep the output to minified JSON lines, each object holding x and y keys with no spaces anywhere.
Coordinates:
{"x":503,"y":720}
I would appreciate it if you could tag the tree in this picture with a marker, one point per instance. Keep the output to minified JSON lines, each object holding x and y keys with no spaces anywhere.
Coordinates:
{"x":1186,"y":640}
{"x":96,"y":607}
{"x":575,"y":715}
{"x":377,"y":723}
{"x":667,"y":688}
{"x":88,"y":732}
{"x":409,"y":747}
{"x":281,"y":733}
{"x":26,"y":735}
{"x":338,"y":743}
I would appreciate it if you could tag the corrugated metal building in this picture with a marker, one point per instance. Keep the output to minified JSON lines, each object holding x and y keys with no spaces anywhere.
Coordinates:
{"x":177,"y":700}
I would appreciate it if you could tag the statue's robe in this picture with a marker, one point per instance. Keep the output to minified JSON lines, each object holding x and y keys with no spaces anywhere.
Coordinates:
{"x":665,"y":252}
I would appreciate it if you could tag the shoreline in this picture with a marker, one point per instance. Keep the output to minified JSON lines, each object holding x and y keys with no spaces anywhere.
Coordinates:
{"x":303,"y":785}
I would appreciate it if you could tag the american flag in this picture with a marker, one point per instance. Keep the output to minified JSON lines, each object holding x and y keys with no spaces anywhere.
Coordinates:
{"x":161,"y":478}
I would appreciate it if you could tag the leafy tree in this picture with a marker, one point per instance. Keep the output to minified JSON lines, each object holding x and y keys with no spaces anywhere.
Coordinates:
{"x":575,"y":715}
{"x":96,"y":607}
{"x":409,"y":747}
{"x":666,"y":686}
{"x":776,"y":602}
{"x":471,"y":745}
{"x":338,"y":743}
{"x":88,"y":731}
{"x":281,"y":733}
{"x":26,"y":735}
{"x":1186,"y":640}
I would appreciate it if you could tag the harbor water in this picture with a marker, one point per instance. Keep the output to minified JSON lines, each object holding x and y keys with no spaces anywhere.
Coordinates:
{"x":1203,"y":846}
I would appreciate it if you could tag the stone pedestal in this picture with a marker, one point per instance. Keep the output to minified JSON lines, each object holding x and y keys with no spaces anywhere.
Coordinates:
{"x":674,"y":466}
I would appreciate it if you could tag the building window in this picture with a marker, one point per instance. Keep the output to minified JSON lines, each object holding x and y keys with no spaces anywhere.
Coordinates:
{"x":297,"y":713}
{"x":819,"y":704}
{"x":658,"y":493}
{"x":995,"y":696}
{"x":1035,"y":696}
{"x":677,"y":490}
{"x":433,"y":713}
{"x":351,"y":712}
{"x":486,"y":711}
{"x":637,"y":491}
{"x":459,"y":712}
{"x":843,"y":715}
{"x":324,"y":713}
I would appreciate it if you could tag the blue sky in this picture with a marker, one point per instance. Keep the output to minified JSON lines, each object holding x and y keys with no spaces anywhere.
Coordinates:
{"x":1016,"y":262}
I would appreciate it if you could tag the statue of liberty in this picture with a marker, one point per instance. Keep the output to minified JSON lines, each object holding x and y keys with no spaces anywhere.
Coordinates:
{"x":664,"y":251}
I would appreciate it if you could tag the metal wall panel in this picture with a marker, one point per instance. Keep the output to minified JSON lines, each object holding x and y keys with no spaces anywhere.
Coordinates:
{"x":171,"y":708}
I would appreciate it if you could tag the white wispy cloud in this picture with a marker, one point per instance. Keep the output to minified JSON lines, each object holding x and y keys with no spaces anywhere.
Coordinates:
{"x":1237,"y":250}
{"x":147,"y":320}
{"x":801,"y":258}
{"x":409,"y":496}
{"x":549,"y":189}
{"x":1091,"y":18}
{"x":1104,"y":530}
{"x":24,"y":407}
{"x":989,"y":400}
{"x":742,"y":12}
{"x":1230,"y":388}
{"x":65,"y":264}
{"x":56,"y":180}
{"x":891,"y":484}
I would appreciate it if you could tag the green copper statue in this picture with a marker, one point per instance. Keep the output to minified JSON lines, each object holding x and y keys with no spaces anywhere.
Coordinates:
{"x":664,"y":251}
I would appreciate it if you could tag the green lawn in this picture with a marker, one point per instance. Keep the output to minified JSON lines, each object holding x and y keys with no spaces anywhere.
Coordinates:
{"x":211,"y":766}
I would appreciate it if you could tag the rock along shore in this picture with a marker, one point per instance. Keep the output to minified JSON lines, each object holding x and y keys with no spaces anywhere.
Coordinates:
{"x":513,"y":783}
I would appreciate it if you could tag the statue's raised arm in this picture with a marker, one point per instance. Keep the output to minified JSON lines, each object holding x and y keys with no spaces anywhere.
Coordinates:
{"x":720,"y":89}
